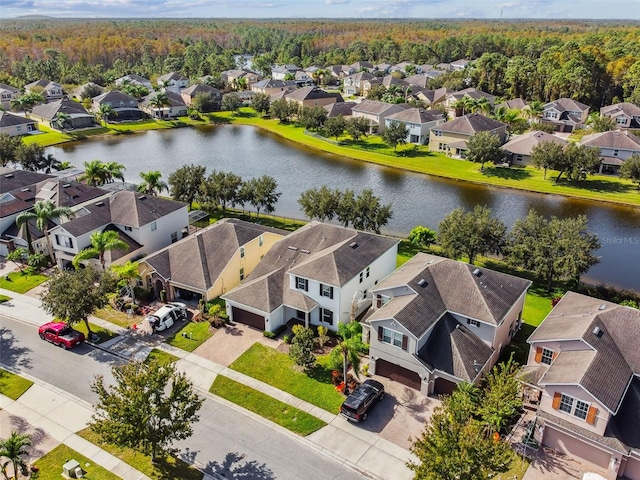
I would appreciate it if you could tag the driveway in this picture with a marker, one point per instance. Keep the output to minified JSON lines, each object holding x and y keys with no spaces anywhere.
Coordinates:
{"x":231,"y":341}
{"x":550,"y":464}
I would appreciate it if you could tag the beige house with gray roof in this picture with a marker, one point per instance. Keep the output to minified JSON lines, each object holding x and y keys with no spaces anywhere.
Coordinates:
{"x":320,"y":274}
{"x":437,"y":322}
{"x":418,"y":123}
{"x":376,"y":112}
{"x":209,"y":262}
{"x":615,"y":147}
{"x":518,"y":149}
{"x":451,"y":137}
{"x":585,"y":363}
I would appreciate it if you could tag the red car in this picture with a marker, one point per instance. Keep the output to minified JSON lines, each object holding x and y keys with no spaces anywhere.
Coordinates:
{"x":61,"y":334}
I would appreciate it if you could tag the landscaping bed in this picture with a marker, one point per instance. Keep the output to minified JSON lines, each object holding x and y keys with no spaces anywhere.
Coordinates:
{"x":278,"y":370}
{"x":278,"y":412}
{"x":50,"y":465}
{"x":12,"y":385}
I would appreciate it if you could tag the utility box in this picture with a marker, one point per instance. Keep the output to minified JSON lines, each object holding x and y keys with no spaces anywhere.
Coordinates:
{"x":72,"y":469}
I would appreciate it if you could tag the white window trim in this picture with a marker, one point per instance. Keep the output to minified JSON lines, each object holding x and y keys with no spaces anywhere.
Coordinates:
{"x":392,"y":335}
{"x":547,"y":353}
{"x":574,"y":406}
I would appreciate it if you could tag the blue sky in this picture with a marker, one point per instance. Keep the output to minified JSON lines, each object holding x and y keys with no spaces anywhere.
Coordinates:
{"x":552,"y":9}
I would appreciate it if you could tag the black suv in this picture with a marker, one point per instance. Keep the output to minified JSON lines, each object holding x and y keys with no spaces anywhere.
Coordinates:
{"x":355,"y":407}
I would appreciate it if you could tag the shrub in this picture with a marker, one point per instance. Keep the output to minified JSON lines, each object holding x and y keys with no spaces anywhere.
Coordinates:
{"x":131,"y":306}
{"x":322,"y":335}
{"x":365,"y":369}
{"x":143,"y":294}
{"x":302,"y":345}
{"x":286,"y":339}
{"x":163,"y":296}
{"x":269,"y":334}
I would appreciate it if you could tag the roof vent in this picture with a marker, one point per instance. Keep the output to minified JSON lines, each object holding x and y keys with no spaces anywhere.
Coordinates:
{"x":142,"y":197}
{"x":26,"y":189}
{"x":100,"y":204}
{"x":292,"y":248}
{"x":598,"y":332}
{"x":9,"y":175}
{"x":66,"y":185}
{"x":305,"y":251}
{"x":602,"y":307}
{"x":477,"y":272}
{"x":353,"y":245}
{"x":422,"y":282}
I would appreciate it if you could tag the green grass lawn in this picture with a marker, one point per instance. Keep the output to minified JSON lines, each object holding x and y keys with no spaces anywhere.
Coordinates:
{"x":191,"y":336}
{"x":12,"y":385}
{"x":4,"y":298}
{"x":122,"y":319}
{"x":21,"y":282}
{"x":274,"y":221}
{"x":168,"y":467}
{"x":278,"y":412}
{"x":277,"y":369}
{"x":51,"y":465}
{"x":161,"y":356}
{"x":103,"y":333}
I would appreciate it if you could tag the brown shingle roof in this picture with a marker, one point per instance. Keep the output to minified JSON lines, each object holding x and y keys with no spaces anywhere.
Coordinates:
{"x":471,"y":124}
{"x":616,"y":139}
{"x":417,"y":115}
{"x":523,"y":144}
{"x":135,"y":210}
{"x":11,"y":179}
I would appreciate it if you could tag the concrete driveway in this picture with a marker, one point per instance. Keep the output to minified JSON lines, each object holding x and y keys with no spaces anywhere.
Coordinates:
{"x":231,"y":341}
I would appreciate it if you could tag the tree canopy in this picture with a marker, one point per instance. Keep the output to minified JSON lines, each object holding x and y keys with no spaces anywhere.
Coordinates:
{"x":184,"y":183}
{"x":484,"y":147}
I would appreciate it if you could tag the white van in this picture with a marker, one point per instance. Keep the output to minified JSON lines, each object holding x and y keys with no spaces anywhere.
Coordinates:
{"x":166,"y":316}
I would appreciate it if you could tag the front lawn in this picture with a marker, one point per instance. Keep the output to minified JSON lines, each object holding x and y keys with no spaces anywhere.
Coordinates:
{"x":117,"y":317}
{"x":50,"y":465}
{"x":191,"y":336}
{"x":21,"y":282}
{"x":102,"y":332}
{"x":4,"y":298}
{"x":278,"y":370}
{"x":278,"y":412}
{"x":12,"y":385}
{"x":168,"y":467}
{"x":163,"y":358}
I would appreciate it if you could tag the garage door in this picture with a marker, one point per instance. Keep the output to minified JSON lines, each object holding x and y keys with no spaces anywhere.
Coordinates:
{"x":443,"y":387}
{"x":248,"y":318}
{"x":575,"y":448}
{"x":398,"y":374}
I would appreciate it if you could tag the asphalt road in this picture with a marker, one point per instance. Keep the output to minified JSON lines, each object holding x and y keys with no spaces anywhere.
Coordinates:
{"x":225,"y":441}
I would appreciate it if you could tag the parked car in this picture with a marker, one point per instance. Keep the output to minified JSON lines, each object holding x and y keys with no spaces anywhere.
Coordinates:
{"x":61,"y":334}
{"x":166,"y":316}
{"x":357,"y":404}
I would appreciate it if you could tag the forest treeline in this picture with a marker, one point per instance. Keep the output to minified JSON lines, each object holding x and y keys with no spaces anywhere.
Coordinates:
{"x":593,"y":62}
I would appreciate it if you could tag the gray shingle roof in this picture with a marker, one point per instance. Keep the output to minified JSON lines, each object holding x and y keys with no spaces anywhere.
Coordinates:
{"x":198,"y":88}
{"x":312,"y":93}
{"x":471,"y":124}
{"x":417,"y":115}
{"x":115,"y":96}
{"x":523,"y":144}
{"x":339,"y":109}
{"x":135,"y":210}
{"x":9,"y":120}
{"x":374,"y":107}
{"x":627,"y":108}
{"x":49,"y":110}
{"x":616,"y":139}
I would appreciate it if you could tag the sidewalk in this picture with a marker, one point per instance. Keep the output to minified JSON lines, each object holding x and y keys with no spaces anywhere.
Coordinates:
{"x":359,"y":449}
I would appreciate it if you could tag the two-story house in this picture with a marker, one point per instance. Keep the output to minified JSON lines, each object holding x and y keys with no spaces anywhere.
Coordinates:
{"x":320,"y":274}
{"x":418,"y":123}
{"x":190,"y":93}
{"x":269,"y":86}
{"x":146,"y":223}
{"x":7,"y":95}
{"x":49,"y":90}
{"x":14,"y":125}
{"x":518,"y":149}
{"x":352,"y":85}
{"x":136,"y":80}
{"x":471,"y":93}
{"x":615,"y":147}
{"x":377,"y":112}
{"x":209,"y":262}
{"x":584,"y":361}
{"x":78,"y":117}
{"x":565,"y":114}
{"x":437,"y":322}
{"x":175,"y":106}
{"x":123,"y":106}
{"x":172,"y":82}
{"x":626,"y":114}
{"x":451,"y":137}
{"x":234,"y":77}
{"x":281,"y":72}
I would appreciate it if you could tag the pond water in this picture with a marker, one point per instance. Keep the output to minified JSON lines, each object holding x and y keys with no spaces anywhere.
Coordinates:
{"x":417,"y":199}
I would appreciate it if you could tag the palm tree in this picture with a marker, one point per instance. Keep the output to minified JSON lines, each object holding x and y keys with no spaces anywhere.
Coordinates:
{"x":159,"y":100}
{"x":43,"y":212}
{"x":103,"y":113}
{"x":114,"y":170}
{"x":350,"y":346}
{"x":95,"y":173}
{"x":152,"y":183}
{"x":13,"y":449}
{"x":130,"y":273}
{"x":50,"y":162}
{"x":481,"y":104}
{"x":61,"y":120}
{"x":535,"y":110}
{"x":62,"y":165}
{"x":101,"y":243}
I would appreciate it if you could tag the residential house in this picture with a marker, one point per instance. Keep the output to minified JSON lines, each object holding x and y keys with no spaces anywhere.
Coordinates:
{"x":191,"y":92}
{"x":402,"y":67}
{"x":123,"y":107}
{"x":565,"y":114}
{"x":431,"y":98}
{"x":389,"y":81}
{"x":339,"y":109}
{"x":48,"y":89}
{"x":175,"y":108}
{"x":235,"y":77}
{"x":518,"y":149}
{"x":7,"y":95}
{"x":431,"y":74}
{"x":136,"y":80}
{"x":14,"y":125}
{"x":451,"y":137}
{"x":79,"y":117}
{"x":352,"y":85}
{"x":418,"y":122}
{"x":615,"y":147}
{"x":303,"y":78}
{"x":472,"y":93}
{"x":144,"y":222}
{"x":418,"y":80}
{"x":318,"y":275}
{"x":79,"y":92}
{"x":459,"y":65}
{"x":626,"y":114}
{"x":209,"y":262}
{"x":172,"y":82}
{"x":362,"y":66}
{"x":340,"y":71}
{"x":513,"y":104}
{"x":437,"y":322}
{"x":377,"y":112}
{"x":269,"y":86}
{"x":584,"y":363}
{"x":382,"y":68}
{"x":281,"y":72}
{"x":313,"y":97}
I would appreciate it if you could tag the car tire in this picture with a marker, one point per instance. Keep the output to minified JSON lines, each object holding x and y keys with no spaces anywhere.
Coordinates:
{"x":42,"y":337}
{"x":364,"y":417}
{"x":381,"y":397}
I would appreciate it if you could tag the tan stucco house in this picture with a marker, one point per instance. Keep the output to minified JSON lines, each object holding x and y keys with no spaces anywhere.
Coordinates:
{"x":451,"y":137}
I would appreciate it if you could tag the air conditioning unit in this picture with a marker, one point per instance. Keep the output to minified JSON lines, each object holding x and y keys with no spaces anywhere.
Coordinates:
{"x":78,"y":472}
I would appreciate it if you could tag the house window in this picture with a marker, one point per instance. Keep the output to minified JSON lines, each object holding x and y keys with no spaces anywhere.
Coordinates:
{"x":300,"y":315}
{"x":361,"y":276}
{"x":241,"y":252}
{"x":326,"y":291}
{"x":128,"y":229}
{"x":64,"y":241}
{"x":518,"y":158}
{"x":566,"y":404}
{"x":241,"y":274}
{"x":154,"y":226}
{"x":302,"y":284}
{"x":442,"y":146}
{"x":326,"y":316}
{"x":547,"y":356}
{"x":368,"y":271}
{"x":615,"y":153}
{"x":260,"y":241}
{"x":621,"y":121}
{"x":581,"y":410}
{"x":174,"y":237}
{"x":437,"y":133}
{"x":471,"y":321}
{"x":391,"y":337}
